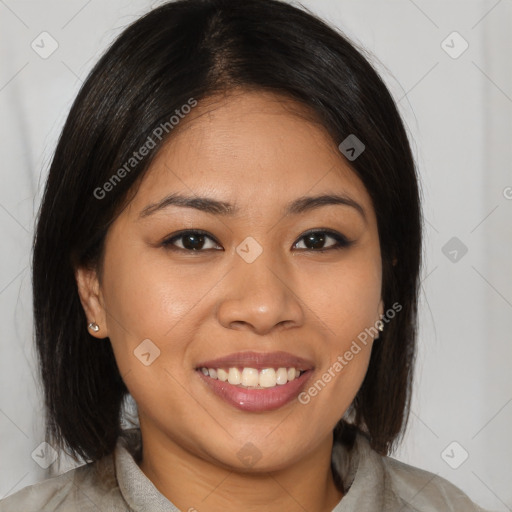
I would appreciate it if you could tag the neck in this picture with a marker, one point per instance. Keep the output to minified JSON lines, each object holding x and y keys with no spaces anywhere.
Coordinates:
{"x":194,"y":484}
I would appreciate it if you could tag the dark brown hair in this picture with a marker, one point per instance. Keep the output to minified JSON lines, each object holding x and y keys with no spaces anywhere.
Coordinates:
{"x":194,"y":49}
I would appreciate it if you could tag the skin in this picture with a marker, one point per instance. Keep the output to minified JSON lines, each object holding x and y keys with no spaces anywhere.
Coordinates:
{"x":256,"y":151}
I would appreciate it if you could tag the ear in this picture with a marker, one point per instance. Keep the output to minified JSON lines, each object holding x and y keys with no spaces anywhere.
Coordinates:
{"x":381,"y":314}
{"x":381,"y":309}
{"x":91,"y":298}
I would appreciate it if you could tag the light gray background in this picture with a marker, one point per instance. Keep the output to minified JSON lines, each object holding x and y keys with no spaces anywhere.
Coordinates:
{"x":459,"y":113}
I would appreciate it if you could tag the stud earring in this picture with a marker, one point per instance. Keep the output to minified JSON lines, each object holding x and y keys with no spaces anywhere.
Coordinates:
{"x":380,"y":325}
{"x":94,"y":326}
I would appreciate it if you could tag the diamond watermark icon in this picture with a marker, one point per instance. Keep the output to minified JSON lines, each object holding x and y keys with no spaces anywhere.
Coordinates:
{"x":351,"y":147}
{"x":454,"y":45}
{"x":454,"y":455}
{"x":44,"y":45}
{"x":249,"y":249}
{"x":44,"y":455}
{"x":249,"y":454}
{"x":454,"y":249}
{"x":146,"y":352}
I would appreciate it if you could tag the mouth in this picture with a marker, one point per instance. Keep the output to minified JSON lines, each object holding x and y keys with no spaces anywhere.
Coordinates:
{"x":252,"y":378}
{"x":256,"y":382}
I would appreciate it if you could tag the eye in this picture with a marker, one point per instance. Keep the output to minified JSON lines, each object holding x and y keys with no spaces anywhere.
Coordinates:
{"x":314,"y":241}
{"x":196,"y":240}
{"x":192,"y":241}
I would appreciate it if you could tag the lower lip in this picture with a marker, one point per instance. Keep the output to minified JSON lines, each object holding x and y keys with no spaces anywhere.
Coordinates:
{"x":256,"y":400}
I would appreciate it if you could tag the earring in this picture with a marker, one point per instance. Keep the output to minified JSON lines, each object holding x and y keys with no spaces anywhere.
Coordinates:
{"x":94,"y":326}
{"x":380,"y":325}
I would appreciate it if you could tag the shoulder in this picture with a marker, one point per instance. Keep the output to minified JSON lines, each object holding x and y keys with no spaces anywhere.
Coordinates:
{"x":378,"y":483}
{"x":90,"y":487}
{"x":423,"y":491}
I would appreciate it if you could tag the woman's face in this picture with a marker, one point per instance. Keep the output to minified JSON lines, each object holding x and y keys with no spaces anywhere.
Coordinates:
{"x":256,"y":291}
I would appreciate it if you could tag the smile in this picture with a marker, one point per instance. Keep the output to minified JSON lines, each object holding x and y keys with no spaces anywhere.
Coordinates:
{"x":256,"y":382}
{"x":253,"y":378}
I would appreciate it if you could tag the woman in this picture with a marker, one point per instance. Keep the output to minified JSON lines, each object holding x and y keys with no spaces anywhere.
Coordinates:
{"x":231,"y":235}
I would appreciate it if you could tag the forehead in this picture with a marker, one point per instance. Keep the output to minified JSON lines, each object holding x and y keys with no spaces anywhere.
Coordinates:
{"x":254,"y":150}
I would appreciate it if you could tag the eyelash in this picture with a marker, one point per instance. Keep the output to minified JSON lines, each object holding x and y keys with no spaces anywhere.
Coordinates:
{"x":341,"y":241}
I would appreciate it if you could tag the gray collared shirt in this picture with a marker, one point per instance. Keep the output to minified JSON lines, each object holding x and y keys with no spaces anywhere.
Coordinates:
{"x":116,"y":484}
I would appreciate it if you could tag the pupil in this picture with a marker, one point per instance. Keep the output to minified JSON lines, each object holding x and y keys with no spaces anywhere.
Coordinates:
{"x":196,"y":241}
{"x":317,"y":240}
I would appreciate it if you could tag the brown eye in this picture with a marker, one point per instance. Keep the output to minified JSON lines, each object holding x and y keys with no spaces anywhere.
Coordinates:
{"x":190,"y":241}
{"x":315,"y":240}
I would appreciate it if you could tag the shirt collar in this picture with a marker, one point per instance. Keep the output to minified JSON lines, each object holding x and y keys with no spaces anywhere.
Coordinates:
{"x":137,"y":489}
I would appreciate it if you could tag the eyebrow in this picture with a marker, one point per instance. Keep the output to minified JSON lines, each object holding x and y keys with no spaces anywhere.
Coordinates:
{"x":215,"y":207}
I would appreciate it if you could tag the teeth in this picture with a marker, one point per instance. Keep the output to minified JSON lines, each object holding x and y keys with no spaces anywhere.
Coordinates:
{"x":267,"y":378}
{"x":234,"y":376}
{"x":282,"y":376}
{"x":222,"y":374}
{"x":252,"y":378}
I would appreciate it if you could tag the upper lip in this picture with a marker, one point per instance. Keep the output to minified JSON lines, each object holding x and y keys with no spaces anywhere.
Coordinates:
{"x":258,"y":360}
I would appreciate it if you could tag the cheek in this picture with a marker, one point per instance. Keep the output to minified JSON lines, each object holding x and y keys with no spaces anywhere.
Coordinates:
{"x":347,"y":306}
{"x":147,"y":296}
{"x":147,"y":304}
{"x":346,"y":296}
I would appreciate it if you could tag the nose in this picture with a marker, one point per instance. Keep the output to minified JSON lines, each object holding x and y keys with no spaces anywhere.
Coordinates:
{"x":260,"y":296}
